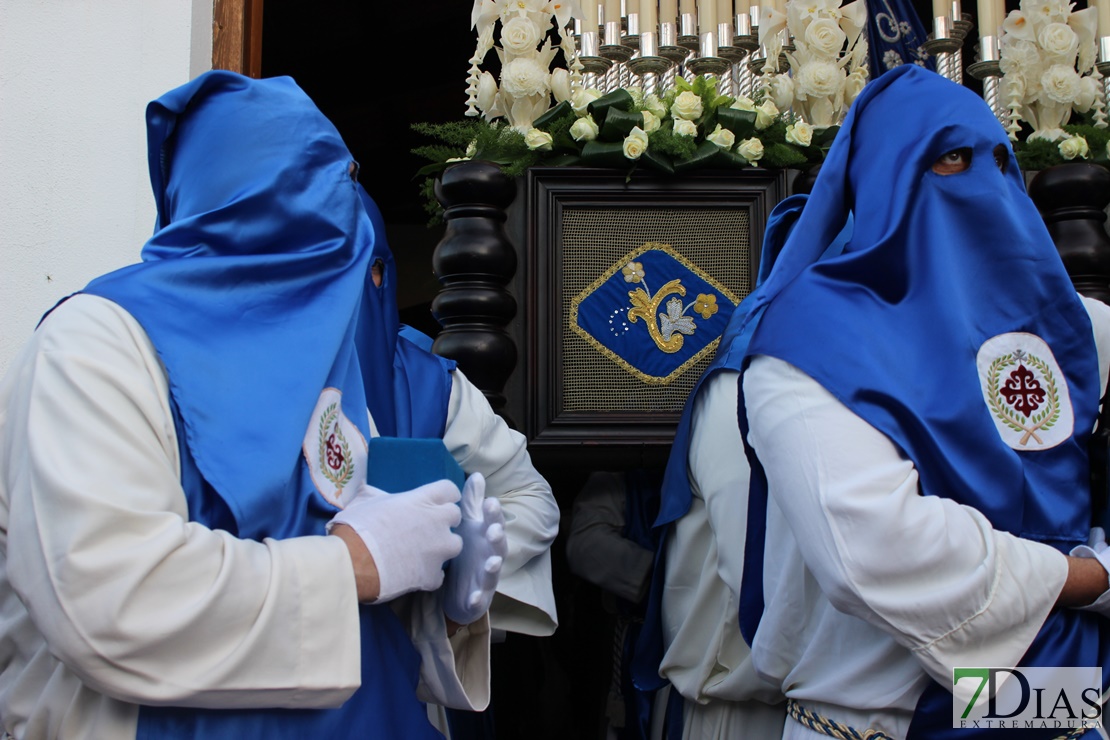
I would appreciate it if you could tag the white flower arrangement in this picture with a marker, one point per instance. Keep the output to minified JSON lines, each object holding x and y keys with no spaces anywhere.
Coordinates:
{"x":829,"y":62}
{"x":1047,"y":56}
{"x":527,"y":82}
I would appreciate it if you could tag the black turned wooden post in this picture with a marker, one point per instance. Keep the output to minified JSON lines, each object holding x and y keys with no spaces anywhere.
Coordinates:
{"x":1072,"y":199}
{"x":474,"y":263}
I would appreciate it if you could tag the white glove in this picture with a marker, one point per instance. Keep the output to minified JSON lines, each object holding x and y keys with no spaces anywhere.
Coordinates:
{"x":1096,"y":548}
{"x":408,"y":534}
{"x":472,"y":576}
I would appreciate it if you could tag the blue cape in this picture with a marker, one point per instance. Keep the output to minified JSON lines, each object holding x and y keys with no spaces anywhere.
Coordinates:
{"x":255,"y":291}
{"x":897,"y":328}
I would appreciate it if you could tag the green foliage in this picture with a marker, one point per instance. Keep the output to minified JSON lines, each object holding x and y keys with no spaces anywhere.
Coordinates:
{"x":616,"y":114}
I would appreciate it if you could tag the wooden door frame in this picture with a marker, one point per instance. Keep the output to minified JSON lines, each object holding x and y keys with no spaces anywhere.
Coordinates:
{"x":237,"y":36}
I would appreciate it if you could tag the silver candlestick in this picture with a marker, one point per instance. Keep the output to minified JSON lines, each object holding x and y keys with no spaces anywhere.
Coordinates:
{"x":942,"y":45}
{"x":989,"y":72}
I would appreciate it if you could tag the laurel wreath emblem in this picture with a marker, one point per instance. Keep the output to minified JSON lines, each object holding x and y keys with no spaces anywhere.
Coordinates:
{"x":1042,"y":420}
{"x":346,"y":471}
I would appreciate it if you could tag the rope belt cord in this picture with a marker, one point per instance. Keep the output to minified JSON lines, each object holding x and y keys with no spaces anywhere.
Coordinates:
{"x":829,"y":727}
{"x":832,"y":728}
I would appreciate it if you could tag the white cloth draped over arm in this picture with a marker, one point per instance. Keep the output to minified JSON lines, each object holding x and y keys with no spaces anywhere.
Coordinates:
{"x":929,"y":572}
{"x":141,"y":604}
{"x":481,"y":442}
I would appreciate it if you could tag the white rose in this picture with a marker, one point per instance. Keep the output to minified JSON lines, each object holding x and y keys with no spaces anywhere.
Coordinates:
{"x":800,"y":133}
{"x":560,"y":85}
{"x":1074,"y":146}
{"x":584,"y":129}
{"x":536,"y":139}
{"x":782,"y":91}
{"x":687,"y":105}
{"x":1060,"y":84}
{"x":819,"y":79}
{"x":1059,"y":40}
{"x":636,"y":143}
{"x":520,"y":35}
{"x":524,"y":76}
{"x":825,"y":37}
{"x":743,"y":103}
{"x":722,"y":137}
{"x":581,"y":99}
{"x":651,"y":121}
{"x":751,"y":150}
{"x":765,"y":114}
{"x":654,"y":104}
{"x":682,"y":127}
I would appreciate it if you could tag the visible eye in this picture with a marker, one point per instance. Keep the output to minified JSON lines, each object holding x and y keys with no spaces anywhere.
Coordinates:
{"x":377,"y":270}
{"x":1001,"y":157}
{"x":952,"y":162}
{"x":352,"y":170}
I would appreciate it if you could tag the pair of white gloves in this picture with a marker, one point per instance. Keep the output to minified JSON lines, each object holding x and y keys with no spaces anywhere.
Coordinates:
{"x":412,"y":534}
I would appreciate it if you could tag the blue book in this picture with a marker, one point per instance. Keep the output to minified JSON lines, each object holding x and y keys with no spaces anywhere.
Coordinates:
{"x":396,"y":464}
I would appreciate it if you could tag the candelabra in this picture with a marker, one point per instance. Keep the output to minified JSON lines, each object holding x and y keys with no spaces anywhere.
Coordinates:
{"x":671,"y":50}
{"x":747,"y":40}
{"x":961,"y":27}
{"x":943,"y":45}
{"x":988,"y":71}
{"x":649,"y":64}
{"x":616,"y":52}
{"x":1103,"y":68}
{"x":593,"y":64}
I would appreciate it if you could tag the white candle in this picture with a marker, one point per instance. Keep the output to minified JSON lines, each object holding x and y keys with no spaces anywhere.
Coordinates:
{"x":612,"y":11}
{"x":648,"y":21}
{"x":668,"y":11}
{"x":707,"y":16}
{"x":990,"y":17}
{"x":687,"y":7}
{"x":599,"y":11}
{"x":724,"y":14}
{"x":742,"y":6}
{"x":940,"y":8}
{"x":1103,"y":18}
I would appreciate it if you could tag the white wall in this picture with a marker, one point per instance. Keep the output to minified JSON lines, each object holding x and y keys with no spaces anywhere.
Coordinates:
{"x":75,"y":78}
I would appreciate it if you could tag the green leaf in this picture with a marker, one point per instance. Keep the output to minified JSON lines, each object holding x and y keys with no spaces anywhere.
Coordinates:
{"x":706,"y":155}
{"x":657,"y":162}
{"x":824,"y":137}
{"x":562,"y":109}
{"x":739,"y":122}
{"x":604,"y":154}
{"x":619,"y":123}
{"x":619,"y":99}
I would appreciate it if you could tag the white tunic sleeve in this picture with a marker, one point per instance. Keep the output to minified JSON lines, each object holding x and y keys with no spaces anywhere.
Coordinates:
{"x":481,"y":442}
{"x":931,"y":573}
{"x":141,"y":604}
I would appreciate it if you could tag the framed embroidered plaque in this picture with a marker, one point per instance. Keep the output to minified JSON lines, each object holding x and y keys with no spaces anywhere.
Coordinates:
{"x":625,"y":286}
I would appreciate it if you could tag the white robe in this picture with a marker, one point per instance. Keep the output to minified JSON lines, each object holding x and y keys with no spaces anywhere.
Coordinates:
{"x":872,"y":589}
{"x":706,"y":658}
{"x":111,"y":598}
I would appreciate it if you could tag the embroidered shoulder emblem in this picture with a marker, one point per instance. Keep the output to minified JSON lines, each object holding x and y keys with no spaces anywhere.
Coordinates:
{"x":1025,"y":391}
{"x":334,"y":449}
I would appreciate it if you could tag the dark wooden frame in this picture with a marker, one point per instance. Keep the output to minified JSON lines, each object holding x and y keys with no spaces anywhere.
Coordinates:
{"x":603,"y":439}
{"x":237,"y":36}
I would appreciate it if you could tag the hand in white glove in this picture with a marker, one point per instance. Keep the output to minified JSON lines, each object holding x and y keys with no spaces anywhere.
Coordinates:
{"x":472,"y":576}
{"x":408,"y":534}
{"x":1096,"y":548}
